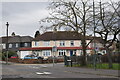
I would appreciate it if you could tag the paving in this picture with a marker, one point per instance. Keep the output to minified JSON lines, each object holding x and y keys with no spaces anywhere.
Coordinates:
{"x":58,"y":71}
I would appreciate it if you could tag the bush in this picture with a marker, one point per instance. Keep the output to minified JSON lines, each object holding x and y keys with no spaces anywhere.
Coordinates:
{"x":10,"y":53}
{"x":0,"y":55}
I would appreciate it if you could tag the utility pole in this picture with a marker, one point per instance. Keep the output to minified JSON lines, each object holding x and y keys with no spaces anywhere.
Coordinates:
{"x":54,"y":49}
{"x":94,"y":35}
{"x":7,"y":44}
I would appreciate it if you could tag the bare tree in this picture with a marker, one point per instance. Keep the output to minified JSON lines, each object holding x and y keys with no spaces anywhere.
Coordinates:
{"x":116,"y":7}
{"x":75,"y":16}
{"x":107,"y":28}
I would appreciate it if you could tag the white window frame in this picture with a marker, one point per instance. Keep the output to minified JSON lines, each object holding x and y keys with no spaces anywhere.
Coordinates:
{"x":4,"y":46}
{"x":46,"y":53}
{"x":10,"y":45}
{"x":75,"y":52}
{"x":62,"y":43}
{"x":62,"y":52}
{"x":71,"y":43}
{"x":16,"y":45}
{"x":46,"y":43}
{"x":36,"y":43}
{"x":25,"y":44}
{"x":80,"y":43}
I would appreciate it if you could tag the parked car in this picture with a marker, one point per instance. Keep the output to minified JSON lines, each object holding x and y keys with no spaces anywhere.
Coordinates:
{"x":40,"y":57}
{"x":14,"y":57}
{"x":30,"y":57}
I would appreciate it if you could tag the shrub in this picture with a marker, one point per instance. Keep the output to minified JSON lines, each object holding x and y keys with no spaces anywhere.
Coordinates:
{"x":10,"y":53}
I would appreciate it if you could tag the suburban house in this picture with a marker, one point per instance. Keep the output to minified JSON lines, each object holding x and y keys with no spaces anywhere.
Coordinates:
{"x":66,"y":42}
{"x":15,"y":42}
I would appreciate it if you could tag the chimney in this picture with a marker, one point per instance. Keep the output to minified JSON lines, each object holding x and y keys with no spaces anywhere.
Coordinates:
{"x":13,"y":34}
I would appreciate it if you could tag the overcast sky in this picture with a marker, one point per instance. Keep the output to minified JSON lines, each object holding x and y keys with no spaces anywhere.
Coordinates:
{"x":23,"y":17}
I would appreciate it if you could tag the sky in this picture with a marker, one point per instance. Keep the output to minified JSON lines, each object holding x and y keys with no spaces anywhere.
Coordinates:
{"x":23,"y":17}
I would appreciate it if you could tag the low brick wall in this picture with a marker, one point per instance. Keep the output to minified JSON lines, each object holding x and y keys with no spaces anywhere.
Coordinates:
{"x":15,"y":60}
{"x":30,"y":61}
{"x":34,"y":61}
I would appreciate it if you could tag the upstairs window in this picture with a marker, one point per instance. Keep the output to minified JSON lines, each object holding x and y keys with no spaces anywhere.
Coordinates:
{"x":10,"y":45}
{"x":16,"y":45}
{"x":62,"y":43}
{"x":3,"y":46}
{"x":72,"y":43}
{"x":36,"y":43}
{"x":46,"y":43}
{"x":25,"y":44}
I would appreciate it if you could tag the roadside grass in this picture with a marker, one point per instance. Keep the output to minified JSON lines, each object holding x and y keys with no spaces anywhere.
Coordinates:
{"x":116,"y":66}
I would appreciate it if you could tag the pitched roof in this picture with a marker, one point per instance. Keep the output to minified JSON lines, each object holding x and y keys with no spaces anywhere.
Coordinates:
{"x":26,"y":39}
{"x":15,"y":39}
{"x":60,"y":35}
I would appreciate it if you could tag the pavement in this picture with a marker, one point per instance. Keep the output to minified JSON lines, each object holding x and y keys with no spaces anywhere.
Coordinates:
{"x":15,"y":70}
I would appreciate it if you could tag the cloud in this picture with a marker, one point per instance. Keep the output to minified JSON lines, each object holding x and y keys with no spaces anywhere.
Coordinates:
{"x":23,"y":17}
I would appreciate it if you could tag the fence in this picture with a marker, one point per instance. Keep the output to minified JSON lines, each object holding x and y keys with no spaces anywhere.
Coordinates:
{"x":73,"y":60}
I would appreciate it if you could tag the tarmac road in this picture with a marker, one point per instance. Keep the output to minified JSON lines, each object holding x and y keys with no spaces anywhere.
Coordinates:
{"x":58,"y":71}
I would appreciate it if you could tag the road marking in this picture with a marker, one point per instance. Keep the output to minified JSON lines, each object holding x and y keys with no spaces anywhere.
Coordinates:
{"x":40,"y":73}
{"x":35,"y":67}
{"x":47,"y":73}
{"x":44,"y":66}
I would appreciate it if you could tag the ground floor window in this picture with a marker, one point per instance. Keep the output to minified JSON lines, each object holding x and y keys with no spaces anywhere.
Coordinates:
{"x":72,"y":52}
{"x":61,"y":52}
{"x":47,"y":53}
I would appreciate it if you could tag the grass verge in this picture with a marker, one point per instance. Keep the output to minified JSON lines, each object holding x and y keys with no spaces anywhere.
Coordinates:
{"x":116,"y":66}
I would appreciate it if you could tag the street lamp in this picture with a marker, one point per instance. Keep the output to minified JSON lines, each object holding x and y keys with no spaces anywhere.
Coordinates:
{"x":94,"y":35}
{"x":7,"y":44}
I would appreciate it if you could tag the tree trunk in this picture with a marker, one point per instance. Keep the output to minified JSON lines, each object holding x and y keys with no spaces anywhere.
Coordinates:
{"x":109,"y":56}
{"x":84,"y":53}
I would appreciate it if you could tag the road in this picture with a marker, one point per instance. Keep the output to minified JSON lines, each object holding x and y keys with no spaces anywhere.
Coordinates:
{"x":58,"y":71}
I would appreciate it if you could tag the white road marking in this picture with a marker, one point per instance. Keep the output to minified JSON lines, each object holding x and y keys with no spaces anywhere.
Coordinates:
{"x":40,"y":73}
{"x":44,"y":66}
{"x":35,"y":67}
{"x":47,"y":73}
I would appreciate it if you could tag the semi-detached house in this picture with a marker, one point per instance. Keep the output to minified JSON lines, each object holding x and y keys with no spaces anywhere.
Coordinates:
{"x":67,"y":42}
{"x":15,"y":42}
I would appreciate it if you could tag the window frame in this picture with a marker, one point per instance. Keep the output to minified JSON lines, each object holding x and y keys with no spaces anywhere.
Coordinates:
{"x":46,"y":53}
{"x":10,"y":45}
{"x":36,"y":43}
{"x":61,"y":52}
{"x":16,"y":45}
{"x":62,"y":43}
{"x":71,"y":43}
{"x":46,"y":43}
{"x":25,"y":44}
{"x":3,"y":46}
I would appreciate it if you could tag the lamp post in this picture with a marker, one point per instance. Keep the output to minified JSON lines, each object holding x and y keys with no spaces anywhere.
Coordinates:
{"x":94,"y":35}
{"x":7,"y":44}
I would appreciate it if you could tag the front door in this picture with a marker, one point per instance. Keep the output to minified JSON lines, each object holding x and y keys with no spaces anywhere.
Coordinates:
{"x":71,"y":53}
